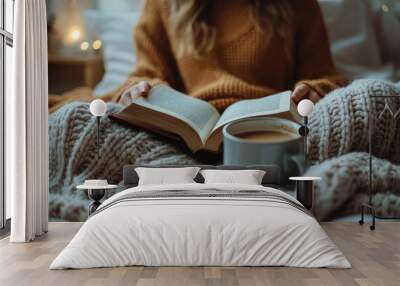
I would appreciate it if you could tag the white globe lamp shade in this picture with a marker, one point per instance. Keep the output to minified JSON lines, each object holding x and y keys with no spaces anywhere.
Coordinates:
{"x":305,"y":107}
{"x":98,"y":107}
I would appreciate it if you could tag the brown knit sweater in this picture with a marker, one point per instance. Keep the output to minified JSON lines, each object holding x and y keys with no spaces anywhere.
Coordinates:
{"x":243,"y":64}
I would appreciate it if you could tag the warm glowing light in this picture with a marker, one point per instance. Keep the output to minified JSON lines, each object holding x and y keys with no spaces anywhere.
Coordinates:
{"x":75,"y":34}
{"x":96,"y":45}
{"x":84,"y":46}
{"x":385,"y":8}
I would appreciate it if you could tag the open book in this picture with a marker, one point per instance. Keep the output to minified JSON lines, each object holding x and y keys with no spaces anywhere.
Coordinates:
{"x":196,"y":122}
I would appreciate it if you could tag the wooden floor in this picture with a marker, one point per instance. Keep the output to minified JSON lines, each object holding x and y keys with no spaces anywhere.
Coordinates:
{"x":375,"y":257}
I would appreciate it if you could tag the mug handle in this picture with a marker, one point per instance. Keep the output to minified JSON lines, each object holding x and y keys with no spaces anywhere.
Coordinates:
{"x":299,"y":162}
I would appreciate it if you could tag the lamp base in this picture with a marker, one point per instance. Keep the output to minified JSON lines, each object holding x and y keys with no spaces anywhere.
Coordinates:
{"x":372,"y":211}
{"x":305,"y":193}
{"x":96,"y":196}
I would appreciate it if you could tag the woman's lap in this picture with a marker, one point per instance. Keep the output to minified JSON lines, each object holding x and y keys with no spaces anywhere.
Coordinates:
{"x":338,"y":126}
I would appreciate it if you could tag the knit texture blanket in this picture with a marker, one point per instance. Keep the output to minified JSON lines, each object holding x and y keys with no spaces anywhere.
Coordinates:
{"x":339,"y":123}
{"x":338,"y":145}
{"x":73,"y":155}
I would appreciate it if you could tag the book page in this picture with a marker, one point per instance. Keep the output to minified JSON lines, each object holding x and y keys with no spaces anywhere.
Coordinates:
{"x":200,"y":115}
{"x":272,"y":104}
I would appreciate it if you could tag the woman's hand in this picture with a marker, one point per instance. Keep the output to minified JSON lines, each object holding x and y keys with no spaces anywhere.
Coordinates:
{"x":129,"y":95}
{"x":303,"y":91}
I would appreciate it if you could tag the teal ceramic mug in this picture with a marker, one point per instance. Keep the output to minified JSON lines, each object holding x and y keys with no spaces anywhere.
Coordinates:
{"x":265,"y":141}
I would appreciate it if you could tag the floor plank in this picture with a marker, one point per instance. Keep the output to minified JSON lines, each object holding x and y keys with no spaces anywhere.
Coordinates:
{"x":375,"y":257}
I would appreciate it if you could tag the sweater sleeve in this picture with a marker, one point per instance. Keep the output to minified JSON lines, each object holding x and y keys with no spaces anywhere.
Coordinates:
{"x":313,"y":61}
{"x":155,"y":60}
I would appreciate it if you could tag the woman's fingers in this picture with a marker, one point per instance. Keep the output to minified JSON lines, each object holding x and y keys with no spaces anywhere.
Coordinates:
{"x":314,"y":97}
{"x":143,"y":88}
{"x":140,"y":89}
{"x":300,"y":92}
{"x":125,"y":98}
{"x":303,"y":91}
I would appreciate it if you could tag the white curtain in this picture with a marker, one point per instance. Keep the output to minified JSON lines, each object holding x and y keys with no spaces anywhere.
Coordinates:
{"x":26,"y":124}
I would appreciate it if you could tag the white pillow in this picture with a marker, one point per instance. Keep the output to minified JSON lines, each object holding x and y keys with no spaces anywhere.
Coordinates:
{"x":115,"y":30}
{"x":166,"y":176}
{"x":247,"y":177}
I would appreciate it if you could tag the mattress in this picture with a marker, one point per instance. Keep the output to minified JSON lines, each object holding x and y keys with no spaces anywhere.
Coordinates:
{"x":201,"y":225}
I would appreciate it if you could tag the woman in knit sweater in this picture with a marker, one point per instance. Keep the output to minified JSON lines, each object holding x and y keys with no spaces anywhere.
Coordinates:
{"x":224,"y":51}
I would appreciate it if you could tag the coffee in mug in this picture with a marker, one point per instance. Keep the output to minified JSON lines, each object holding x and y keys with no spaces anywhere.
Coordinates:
{"x":267,"y":136}
{"x":265,"y":141}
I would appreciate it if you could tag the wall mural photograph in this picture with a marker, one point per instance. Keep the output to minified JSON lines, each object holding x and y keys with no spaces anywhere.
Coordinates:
{"x":208,"y":133}
{"x":173,"y":77}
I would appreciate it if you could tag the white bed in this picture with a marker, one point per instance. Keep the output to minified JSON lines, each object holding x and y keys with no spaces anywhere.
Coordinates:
{"x":201,"y":224}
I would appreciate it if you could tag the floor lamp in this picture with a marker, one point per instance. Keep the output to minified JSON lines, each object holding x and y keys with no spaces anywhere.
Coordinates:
{"x":305,"y":185}
{"x":98,"y":108}
{"x":370,"y":206}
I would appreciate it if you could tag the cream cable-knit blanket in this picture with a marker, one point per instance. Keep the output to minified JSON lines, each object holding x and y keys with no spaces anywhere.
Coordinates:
{"x":338,"y":132}
{"x":73,"y":156}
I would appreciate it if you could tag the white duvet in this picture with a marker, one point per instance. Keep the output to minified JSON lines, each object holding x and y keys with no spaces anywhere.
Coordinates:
{"x":188,"y":231}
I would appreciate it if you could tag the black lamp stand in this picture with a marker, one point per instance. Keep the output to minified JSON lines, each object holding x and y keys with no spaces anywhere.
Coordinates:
{"x":369,"y":206}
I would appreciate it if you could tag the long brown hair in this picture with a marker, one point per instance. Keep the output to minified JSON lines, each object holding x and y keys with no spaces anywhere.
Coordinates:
{"x":197,"y":37}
